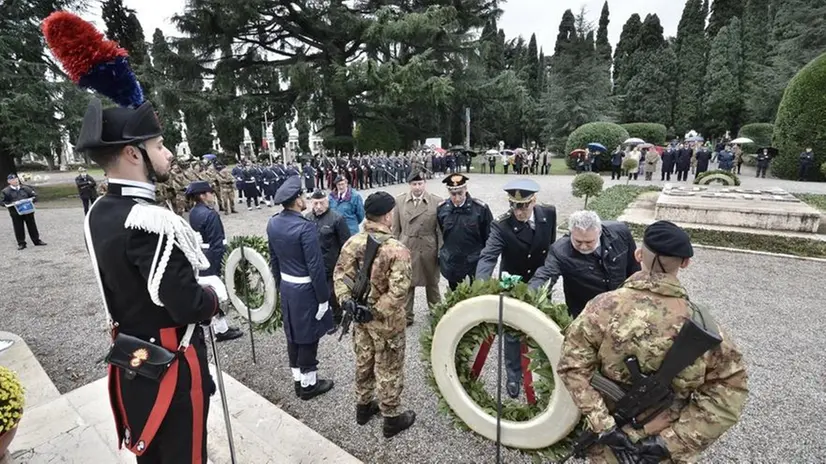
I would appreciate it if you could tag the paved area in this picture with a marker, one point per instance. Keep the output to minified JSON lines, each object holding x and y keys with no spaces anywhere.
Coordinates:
{"x":77,"y":428}
{"x":769,"y":306}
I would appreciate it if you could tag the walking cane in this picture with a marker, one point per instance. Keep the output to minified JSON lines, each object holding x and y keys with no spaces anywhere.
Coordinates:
{"x":220,"y":377}
{"x":245,"y":263}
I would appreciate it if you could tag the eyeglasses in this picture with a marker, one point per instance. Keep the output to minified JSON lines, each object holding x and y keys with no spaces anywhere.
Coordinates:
{"x":520,"y":205}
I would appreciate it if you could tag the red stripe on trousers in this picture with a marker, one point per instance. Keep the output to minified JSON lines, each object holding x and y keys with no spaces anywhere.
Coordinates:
{"x":169,"y":340}
{"x":196,"y":394}
{"x":116,"y":402}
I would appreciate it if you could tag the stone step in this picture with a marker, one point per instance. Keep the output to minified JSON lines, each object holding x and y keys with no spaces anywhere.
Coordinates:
{"x":77,"y":428}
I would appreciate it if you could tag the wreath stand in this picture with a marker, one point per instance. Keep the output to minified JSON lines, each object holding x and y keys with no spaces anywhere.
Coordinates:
{"x":527,"y":377}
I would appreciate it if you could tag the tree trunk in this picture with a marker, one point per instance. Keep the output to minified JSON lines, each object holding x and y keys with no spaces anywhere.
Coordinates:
{"x":6,"y":165}
{"x":343,"y":123}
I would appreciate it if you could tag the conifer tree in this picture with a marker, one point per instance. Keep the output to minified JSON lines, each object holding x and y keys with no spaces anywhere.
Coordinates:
{"x":603,"y":46}
{"x":724,"y":98}
{"x":758,"y":78}
{"x":691,"y":48}
{"x":629,"y":40}
{"x":722,"y":11}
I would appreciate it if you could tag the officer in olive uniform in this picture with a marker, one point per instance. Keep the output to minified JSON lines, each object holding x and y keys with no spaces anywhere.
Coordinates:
{"x":465,"y":224}
{"x":522,"y":236}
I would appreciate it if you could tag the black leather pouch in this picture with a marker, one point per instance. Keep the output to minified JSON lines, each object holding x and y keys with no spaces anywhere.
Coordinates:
{"x":139,"y":357}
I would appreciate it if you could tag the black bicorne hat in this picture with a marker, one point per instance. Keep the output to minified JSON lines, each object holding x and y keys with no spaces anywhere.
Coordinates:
{"x":117,"y":126}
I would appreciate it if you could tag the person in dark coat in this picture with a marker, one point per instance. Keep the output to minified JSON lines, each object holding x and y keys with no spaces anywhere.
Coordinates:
{"x":703,"y":157}
{"x":465,"y":224}
{"x":298,"y":267}
{"x":250,"y":185}
{"x":151,"y":292}
{"x":763,"y":160}
{"x":595,"y":257}
{"x":13,"y":193}
{"x":238,"y":174}
{"x":86,"y":188}
{"x":333,"y":232}
{"x":683,"y":162}
{"x":206,"y":221}
{"x":807,"y":160}
{"x":309,"y":177}
{"x":668,"y":159}
{"x":522,"y":236}
{"x":616,"y":163}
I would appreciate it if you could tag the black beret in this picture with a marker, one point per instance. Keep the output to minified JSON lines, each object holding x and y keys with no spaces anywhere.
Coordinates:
{"x":379,"y":204}
{"x":667,"y":239}
{"x":414,"y":177}
{"x":318,"y":194}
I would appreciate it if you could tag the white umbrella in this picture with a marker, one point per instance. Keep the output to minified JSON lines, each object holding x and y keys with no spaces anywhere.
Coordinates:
{"x":742,"y":140}
{"x":633,"y":141}
{"x":492,"y":152}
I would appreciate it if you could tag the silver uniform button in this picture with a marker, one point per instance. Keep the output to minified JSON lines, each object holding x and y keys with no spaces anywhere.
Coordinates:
{"x":529,"y":256}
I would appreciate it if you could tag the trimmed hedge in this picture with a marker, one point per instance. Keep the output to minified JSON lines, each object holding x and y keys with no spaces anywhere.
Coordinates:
{"x":607,"y":133}
{"x":613,"y":202}
{"x":648,"y":131}
{"x":800,"y":123}
{"x":760,"y":132}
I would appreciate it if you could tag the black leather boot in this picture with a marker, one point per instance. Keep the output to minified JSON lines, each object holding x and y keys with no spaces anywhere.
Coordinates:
{"x":297,"y":388}
{"x":366,"y":411}
{"x":394,"y":425}
{"x":321,"y":387}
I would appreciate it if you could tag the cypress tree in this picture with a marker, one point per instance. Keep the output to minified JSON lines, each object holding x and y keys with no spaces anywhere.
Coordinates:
{"x":532,"y":67}
{"x":567,"y":32}
{"x":691,"y":48}
{"x":724,"y":99}
{"x":603,"y":46}
{"x":722,"y":11}
{"x":758,"y":79}
{"x":649,"y":92}
{"x":629,"y":40}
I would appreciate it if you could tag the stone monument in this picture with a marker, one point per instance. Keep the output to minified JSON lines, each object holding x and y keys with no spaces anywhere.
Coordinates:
{"x":767,"y":209}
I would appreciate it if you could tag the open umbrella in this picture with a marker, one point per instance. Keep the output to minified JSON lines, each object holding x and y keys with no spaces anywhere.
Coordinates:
{"x":742,"y":140}
{"x":645,"y":145}
{"x":492,"y":152}
{"x":577,"y":152}
{"x":593,"y":146}
{"x":633,"y":141}
{"x":695,"y":138}
{"x":457,"y":148}
{"x":208,"y":157}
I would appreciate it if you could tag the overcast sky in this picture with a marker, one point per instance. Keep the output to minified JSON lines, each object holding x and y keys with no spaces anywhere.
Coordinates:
{"x":521,"y":17}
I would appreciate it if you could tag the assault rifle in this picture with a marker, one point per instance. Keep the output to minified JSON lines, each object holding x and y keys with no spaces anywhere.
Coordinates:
{"x":651,"y":392}
{"x":355,"y":309}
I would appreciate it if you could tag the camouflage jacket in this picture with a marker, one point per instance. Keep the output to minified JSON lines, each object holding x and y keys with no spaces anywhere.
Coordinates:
{"x":642,"y":318}
{"x":389,"y":278}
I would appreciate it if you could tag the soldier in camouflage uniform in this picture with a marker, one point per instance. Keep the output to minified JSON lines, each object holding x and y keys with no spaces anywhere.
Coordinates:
{"x":210,"y":175}
{"x":642,"y":318}
{"x":176,"y":186}
{"x":379,"y":344}
{"x":226,"y":184}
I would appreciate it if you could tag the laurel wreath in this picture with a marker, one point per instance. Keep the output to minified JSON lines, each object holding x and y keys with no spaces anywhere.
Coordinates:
{"x":539,"y":363}
{"x":246,"y":275}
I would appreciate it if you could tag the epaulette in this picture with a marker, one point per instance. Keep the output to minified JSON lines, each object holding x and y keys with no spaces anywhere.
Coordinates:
{"x":442,"y":202}
{"x":479,"y":202}
{"x":504,"y":216}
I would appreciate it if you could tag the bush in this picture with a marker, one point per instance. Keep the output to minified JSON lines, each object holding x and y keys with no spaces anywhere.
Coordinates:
{"x":11,"y":400}
{"x":823,"y":169}
{"x":342,"y":143}
{"x":800,"y":122}
{"x":630,"y":165}
{"x":760,"y":132}
{"x":587,"y":185}
{"x":606,"y":133}
{"x":717,"y":176}
{"x":648,"y":131}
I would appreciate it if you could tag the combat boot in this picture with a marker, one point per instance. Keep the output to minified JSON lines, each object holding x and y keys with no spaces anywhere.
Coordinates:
{"x":366,"y":411}
{"x":395,"y":425}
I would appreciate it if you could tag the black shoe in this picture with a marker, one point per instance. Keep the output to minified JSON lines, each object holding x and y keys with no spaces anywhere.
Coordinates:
{"x":366,"y":411}
{"x":395,"y":425}
{"x":297,"y":384}
{"x":321,"y":387}
{"x":40,"y":243}
{"x":513,"y":389}
{"x":231,"y":334}
{"x":21,"y":246}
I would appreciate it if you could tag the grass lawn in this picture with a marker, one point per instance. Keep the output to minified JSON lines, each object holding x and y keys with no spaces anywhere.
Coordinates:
{"x":55,"y":191}
{"x":813,"y":199}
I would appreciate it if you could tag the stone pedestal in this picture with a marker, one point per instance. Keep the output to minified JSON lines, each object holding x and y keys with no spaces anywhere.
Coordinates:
{"x":768,"y":209}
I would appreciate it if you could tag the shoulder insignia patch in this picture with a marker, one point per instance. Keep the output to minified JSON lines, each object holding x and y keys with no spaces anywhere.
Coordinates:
{"x":479,"y":202}
{"x":503,"y":216}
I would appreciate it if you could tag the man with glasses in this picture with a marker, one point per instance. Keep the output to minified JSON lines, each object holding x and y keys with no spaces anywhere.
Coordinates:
{"x":522,"y":236}
{"x":465,"y":224}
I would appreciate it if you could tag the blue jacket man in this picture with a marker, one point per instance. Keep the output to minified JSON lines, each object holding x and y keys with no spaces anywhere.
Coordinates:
{"x":348,"y":203}
{"x":238,"y":174}
{"x":207,"y":222}
{"x":298,"y":267}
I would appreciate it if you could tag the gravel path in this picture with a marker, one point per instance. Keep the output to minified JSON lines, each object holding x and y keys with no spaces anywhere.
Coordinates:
{"x":768,"y":305}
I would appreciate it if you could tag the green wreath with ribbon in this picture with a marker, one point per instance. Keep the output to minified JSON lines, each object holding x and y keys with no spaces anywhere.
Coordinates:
{"x":244,"y":277}
{"x":539,"y":363}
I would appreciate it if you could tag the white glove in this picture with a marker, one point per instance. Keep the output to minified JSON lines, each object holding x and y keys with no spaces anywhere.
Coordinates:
{"x":322,"y":308}
{"x":216,"y":284}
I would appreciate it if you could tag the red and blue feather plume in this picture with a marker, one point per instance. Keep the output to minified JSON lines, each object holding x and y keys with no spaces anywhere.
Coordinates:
{"x":90,"y":60}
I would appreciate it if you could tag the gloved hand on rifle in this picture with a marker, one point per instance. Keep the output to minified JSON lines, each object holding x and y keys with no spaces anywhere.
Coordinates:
{"x":652,"y":450}
{"x":322,"y":308}
{"x":620,"y":444}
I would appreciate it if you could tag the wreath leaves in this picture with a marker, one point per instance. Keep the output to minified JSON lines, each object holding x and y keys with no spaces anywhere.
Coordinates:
{"x":539,"y":362}
{"x":256,"y":295}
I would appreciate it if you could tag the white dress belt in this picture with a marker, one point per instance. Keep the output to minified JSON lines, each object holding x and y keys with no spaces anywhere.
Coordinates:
{"x":205,"y":246}
{"x":296,"y":280}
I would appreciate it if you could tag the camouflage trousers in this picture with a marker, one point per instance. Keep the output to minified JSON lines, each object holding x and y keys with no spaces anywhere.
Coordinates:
{"x":179,"y":204}
{"x":379,"y":369}
{"x":227,"y":198}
